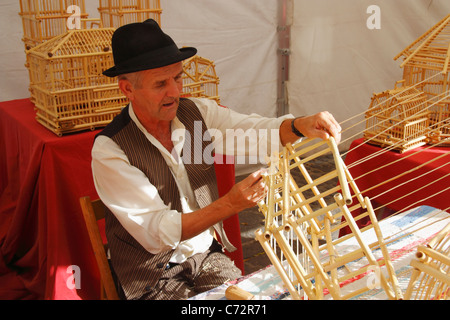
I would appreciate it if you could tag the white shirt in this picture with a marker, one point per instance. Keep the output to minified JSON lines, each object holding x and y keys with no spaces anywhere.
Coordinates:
{"x":127,"y":192}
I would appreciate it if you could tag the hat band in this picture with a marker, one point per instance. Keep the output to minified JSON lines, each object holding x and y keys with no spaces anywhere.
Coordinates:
{"x":155,"y":54}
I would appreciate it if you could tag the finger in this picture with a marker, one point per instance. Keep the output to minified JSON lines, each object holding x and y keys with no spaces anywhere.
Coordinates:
{"x":252,"y":178}
{"x":331,"y":126}
{"x":258,"y":195}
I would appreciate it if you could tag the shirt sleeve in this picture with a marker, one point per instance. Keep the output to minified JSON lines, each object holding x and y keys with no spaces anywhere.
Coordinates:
{"x":241,"y":134}
{"x":128,"y":193}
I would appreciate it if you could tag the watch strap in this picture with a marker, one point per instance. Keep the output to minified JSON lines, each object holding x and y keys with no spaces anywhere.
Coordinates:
{"x":295,"y":130}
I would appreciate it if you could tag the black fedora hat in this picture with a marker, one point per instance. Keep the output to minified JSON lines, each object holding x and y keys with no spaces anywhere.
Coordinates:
{"x":142,"y":46}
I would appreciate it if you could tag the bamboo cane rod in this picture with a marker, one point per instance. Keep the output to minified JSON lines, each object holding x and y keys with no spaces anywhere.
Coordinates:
{"x":303,"y":150}
{"x":434,"y":254}
{"x":384,"y":251}
{"x":412,"y":280}
{"x":308,"y":158}
{"x":46,"y":112}
{"x":277,"y":264}
{"x":318,"y":278}
{"x":377,"y":114}
{"x":340,"y":171}
{"x":270,"y":204}
{"x":303,"y":205}
{"x":208,"y":67}
{"x":199,"y":83}
{"x":293,"y":262}
{"x":339,"y":259}
{"x":300,"y":144}
{"x":317,"y":213}
{"x":417,"y":190}
{"x":363,"y":245}
{"x":420,"y":47}
{"x":435,"y":273}
{"x":407,"y":49}
{"x":320,"y":180}
{"x":286,"y":189}
{"x":95,"y":88}
{"x":196,"y":92}
{"x":439,"y":237}
{"x":114,"y":97}
{"x":332,"y":253}
{"x":431,"y":287}
{"x":355,"y":188}
{"x":403,"y":173}
{"x":317,"y":197}
{"x":317,"y":265}
{"x":354,"y":273}
{"x":356,"y":293}
{"x":309,"y":181}
{"x":121,"y":12}
{"x":381,"y":152}
{"x":106,"y":111}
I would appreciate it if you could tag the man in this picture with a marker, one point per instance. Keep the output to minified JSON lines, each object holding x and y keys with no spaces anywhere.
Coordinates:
{"x":165,"y":209}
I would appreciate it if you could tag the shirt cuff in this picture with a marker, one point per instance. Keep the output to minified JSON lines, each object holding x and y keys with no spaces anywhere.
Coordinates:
{"x":170,"y":230}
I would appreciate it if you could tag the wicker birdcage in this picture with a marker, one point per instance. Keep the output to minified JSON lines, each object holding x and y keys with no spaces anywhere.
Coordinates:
{"x":116,"y":13}
{"x":200,"y":79}
{"x":45,"y":19}
{"x":426,"y":65}
{"x":430,"y":278}
{"x":398,"y":119}
{"x":66,"y":82}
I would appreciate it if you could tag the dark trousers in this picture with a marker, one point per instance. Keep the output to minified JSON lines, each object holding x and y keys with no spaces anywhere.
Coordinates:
{"x":199,"y":273}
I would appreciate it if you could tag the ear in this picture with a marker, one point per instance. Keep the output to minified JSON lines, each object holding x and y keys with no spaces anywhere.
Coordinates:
{"x":127,"y":88}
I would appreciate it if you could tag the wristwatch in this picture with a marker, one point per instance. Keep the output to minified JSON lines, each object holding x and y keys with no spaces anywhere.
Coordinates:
{"x":295,"y":130}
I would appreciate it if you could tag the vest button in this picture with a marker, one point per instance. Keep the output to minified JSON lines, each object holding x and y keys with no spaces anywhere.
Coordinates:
{"x":148,"y":288}
{"x":160,"y":265}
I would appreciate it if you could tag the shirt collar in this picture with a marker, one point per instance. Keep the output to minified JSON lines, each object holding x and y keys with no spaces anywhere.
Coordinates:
{"x":177,"y":129}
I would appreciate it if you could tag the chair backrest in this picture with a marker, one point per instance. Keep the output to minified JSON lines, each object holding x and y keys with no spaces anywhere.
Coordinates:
{"x":92,"y":212}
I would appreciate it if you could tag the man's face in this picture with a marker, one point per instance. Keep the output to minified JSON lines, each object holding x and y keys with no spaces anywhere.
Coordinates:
{"x":158,"y":95}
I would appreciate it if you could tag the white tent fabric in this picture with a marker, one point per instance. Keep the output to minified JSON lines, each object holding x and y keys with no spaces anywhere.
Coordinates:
{"x":336,"y":61}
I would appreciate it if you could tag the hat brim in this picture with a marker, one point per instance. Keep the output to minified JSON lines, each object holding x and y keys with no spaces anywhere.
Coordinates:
{"x":149,"y":61}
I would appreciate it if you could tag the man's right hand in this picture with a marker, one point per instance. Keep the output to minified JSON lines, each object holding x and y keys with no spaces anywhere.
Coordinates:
{"x":248,"y":192}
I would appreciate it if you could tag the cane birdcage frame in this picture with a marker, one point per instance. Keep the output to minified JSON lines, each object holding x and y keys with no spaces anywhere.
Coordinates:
{"x":301,"y":221}
{"x":43,"y":19}
{"x":66,"y":82}
{"x":200,"y":79}
{"x":116,"y":13}
{"x":426,"y":66}
{"x":430,"y":279}
{"x":398,"y":119}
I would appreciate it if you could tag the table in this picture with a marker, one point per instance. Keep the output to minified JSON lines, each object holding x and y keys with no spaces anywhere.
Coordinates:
{"x":42,"y":232}
{"x":420,"y":186}
{"x":402,"y":233}
{"x":399,"y":181}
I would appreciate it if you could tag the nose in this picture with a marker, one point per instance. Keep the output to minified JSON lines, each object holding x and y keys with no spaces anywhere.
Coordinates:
{"x":174,"y":88}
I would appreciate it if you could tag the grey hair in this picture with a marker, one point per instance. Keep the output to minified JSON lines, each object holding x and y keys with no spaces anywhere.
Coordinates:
{"x":135,"y":78}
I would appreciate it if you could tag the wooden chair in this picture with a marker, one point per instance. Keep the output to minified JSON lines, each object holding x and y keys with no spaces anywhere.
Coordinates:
{"x":92,"y":212}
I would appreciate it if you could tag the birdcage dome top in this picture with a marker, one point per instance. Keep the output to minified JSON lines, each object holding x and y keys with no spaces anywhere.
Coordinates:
{"x":431,"y":50}
{"x":76,"y":43}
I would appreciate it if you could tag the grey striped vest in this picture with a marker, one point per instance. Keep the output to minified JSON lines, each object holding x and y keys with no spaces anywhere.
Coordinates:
{"x":136,"y":268}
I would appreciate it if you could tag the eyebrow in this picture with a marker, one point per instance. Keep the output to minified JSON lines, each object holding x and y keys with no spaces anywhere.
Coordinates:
{"x":161,"y":82}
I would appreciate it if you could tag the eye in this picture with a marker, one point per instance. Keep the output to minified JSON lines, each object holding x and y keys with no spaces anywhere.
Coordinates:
{"x":160,"y":84}
{"x":179,"y":77}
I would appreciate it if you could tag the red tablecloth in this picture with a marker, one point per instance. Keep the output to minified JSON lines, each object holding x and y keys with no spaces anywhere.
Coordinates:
{"x":42,"y":231}
{"x":432,"y":175}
